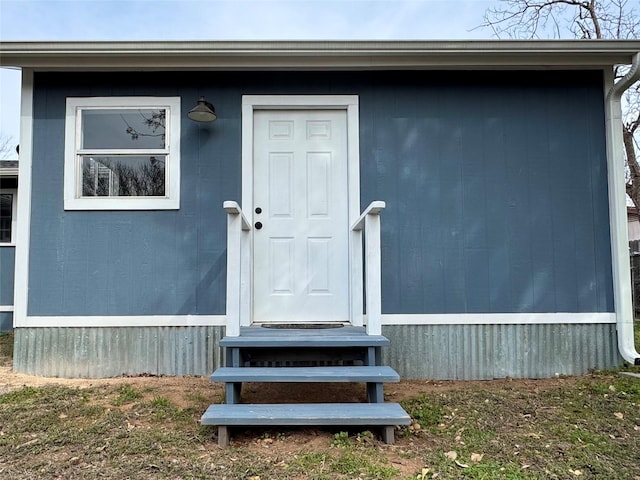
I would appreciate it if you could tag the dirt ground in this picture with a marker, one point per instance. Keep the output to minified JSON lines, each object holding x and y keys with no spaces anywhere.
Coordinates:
{"x":256,"y":441}
{"x":518,"y":429}
{"x":175,"y":387}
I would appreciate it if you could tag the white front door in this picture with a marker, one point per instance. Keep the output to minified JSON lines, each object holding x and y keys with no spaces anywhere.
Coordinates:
{"x":300,"y":203}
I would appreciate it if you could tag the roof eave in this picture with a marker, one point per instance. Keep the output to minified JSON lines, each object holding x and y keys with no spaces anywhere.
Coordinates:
{"x":316,"y":55}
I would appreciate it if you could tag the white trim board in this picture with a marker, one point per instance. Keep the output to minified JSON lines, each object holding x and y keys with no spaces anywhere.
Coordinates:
{"x":498,"y":318}
{"x":127,"y":321}
{"x":6,"y":308}
{"x":389,"y":319}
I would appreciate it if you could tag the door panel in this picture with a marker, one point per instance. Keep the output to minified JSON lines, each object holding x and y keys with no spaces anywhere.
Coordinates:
{"x":301,"y":267}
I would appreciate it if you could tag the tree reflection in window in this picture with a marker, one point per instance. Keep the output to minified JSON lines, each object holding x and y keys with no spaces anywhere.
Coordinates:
{"x":123,"y":176}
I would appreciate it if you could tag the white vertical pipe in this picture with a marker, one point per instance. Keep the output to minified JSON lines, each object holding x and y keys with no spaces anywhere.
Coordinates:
{"x":618,"y":216}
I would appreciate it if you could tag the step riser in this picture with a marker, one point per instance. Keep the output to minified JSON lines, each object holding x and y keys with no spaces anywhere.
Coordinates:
{"x":302,"y":357}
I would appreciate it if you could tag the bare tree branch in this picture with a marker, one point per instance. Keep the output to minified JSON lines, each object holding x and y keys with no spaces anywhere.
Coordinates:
{"x":7,"y":147}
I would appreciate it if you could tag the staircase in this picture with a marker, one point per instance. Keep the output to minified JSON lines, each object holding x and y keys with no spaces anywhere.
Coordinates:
{"x":271,"y":355}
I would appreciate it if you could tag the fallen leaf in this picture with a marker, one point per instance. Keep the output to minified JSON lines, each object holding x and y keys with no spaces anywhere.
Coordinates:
{"x":577,"y":473}
{"x":451,"y":455}
{"x":619,"y":415}
{"x":462,"y":465}
{"x":476,"y":457}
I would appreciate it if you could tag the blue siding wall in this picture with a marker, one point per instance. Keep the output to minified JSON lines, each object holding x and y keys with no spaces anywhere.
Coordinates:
{"x":495,"y":185}
{"x":7,"y":266}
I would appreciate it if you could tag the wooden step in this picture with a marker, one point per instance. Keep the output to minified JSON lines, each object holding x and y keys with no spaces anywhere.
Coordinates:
{"x":366,"y":374}
{"x":258,"y":337}
{"x":302,"y":414}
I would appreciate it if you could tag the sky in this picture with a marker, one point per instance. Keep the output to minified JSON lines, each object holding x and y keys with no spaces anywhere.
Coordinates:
{"x":86,"y":20}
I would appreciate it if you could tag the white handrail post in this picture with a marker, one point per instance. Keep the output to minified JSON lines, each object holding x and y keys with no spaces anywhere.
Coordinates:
{"x":370,"y":222}
{"x":373,"y":272}
{"x":234,"y":229}
{"x":237,"y":223}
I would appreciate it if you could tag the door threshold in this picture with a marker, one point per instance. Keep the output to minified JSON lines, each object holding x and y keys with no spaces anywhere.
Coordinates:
{"x":302,"y":326}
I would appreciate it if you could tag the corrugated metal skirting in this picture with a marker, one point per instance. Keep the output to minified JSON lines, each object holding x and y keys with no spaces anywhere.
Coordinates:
{"x":461,"y":352}
{"x":110,"y":352}
{"x":477,"y":352}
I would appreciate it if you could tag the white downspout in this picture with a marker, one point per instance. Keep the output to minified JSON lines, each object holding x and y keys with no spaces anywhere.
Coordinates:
{"x":618,"y":215}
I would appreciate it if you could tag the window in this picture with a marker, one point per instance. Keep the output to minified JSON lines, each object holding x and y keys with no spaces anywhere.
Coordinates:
{"x":7,"y":216}
{"x":122,"y":153}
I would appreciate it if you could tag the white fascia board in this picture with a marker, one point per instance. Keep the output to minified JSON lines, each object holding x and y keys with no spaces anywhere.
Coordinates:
{"x":300,"y":55}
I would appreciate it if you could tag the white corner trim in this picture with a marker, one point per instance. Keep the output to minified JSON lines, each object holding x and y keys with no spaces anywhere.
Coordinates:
{"x":498,"y":318}
{"x":6,"y":308}
{"x":21,"y":279}
{"x":72,"y":199}
{"x":127,"y":321}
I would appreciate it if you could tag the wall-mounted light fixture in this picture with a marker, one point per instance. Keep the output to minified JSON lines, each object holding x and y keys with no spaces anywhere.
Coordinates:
{"x":202,"y":112}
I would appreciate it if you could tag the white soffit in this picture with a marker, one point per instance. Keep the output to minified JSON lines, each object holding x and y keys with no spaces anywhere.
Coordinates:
{"x":317,"y":55}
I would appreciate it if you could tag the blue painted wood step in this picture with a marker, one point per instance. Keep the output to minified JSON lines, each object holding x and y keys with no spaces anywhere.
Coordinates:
{"x":306,"y":374}
{"x":300,"y":414}
{"x":256,"y":337}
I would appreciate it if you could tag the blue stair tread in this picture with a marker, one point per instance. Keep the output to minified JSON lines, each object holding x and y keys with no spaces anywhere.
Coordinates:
{"x":331,"y":337}
{"x":385,"y":414}
{"x":306,"y":374}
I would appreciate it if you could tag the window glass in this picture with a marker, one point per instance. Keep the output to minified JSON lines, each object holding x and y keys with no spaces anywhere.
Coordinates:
{"x":6,"y":217}
{"x":123,"y":176}
{"x":123,"y":128}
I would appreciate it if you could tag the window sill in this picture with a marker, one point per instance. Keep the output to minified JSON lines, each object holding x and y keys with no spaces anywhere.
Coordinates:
{"x":121,"y":204}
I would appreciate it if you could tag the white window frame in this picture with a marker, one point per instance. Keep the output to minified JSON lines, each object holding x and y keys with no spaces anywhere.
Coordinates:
{"x":14,"y":216}
{"x":73,"y":172}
